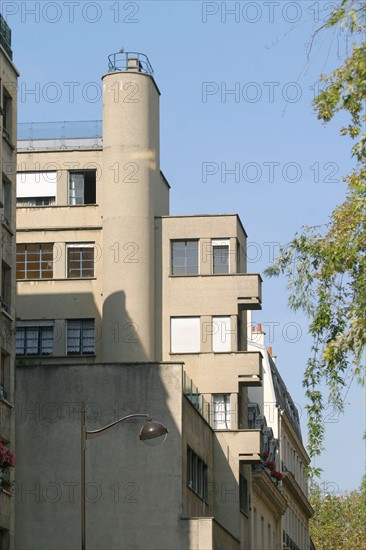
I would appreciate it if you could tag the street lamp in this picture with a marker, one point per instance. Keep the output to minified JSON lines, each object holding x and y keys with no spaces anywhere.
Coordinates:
{"x":151,"y":430}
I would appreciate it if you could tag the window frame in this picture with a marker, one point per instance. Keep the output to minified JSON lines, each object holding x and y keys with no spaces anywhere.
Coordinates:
{"x":72,"y":187}
{"x":81,"y":344}
{"x":44,"y":334}
{"x":6,"y":290}
{"x":197,"y":474}
{"x":221,"y":407}
{"x":41,"y":253}
{"x":82,"y":247}
{"x":218,"y":245}
{"x":186,"y":267}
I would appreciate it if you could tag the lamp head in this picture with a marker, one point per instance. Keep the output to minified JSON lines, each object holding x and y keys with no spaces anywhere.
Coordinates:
{"x":151,"y":431}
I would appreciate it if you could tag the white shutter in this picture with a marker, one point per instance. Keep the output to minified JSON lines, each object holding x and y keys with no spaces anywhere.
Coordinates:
{"x":36,"y":184}
{"x":185,"y":335}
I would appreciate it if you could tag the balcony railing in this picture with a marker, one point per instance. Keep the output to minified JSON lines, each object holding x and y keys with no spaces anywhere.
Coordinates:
{"x":197,"y":399}
{"x":5,"y":36}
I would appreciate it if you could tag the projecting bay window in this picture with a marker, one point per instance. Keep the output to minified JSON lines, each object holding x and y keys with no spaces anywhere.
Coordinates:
{"x":82,"y":187}
{"x":80,"y":337}
{"x":80,"y":260}
{"x":196,"y":474}
{"x":34,"y":338}
{"x":220,"y":256}
{"x":34,"y":261}
{"x":184,"y":257}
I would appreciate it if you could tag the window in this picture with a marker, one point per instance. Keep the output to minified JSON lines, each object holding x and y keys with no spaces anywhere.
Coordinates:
{"x":221,"y":411}
{"x":221,"y":334}
{"x":80,"y":337}
{"x":80,"y":261}
{"x":243,"y":494}
{"x":6,"y":201}
{"x":29,"y":202}
{"x":184,"y":255}
{"x":34,"y":338}
{"x":7,"y":113}
{"x":185,"y":334}
{"x":220,"y":256}
{"x":34,"y":261}
{"x":4,"y":375}
{"x":5,"y":287}
{"x":36,"y":188}
{"x":82,"y":187}
{"x":262,"y":532}
{"x":196,"y":474}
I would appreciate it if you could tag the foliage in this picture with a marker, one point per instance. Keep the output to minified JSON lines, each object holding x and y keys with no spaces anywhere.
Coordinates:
{"x":7,"y":457}
{"x":326,"y":265}
{"x":339,"y":521}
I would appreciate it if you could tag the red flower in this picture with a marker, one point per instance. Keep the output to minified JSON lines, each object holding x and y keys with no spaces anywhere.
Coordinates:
{"x":269,"y":464}
{"x":276,"y":474}
{"x":266,"y":454}
{"x":7,"y":457}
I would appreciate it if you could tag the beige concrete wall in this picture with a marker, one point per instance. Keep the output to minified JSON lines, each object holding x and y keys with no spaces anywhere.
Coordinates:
{"x":130,"y":146}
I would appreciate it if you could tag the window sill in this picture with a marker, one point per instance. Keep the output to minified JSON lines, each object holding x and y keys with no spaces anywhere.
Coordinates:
{"x":54,"y":279}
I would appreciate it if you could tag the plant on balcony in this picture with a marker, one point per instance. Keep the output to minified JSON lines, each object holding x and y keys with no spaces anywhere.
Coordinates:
{"x":7,"y":457}
{"x":270,"y":465}
{"x":265,"y":454}
{"x":277,"y":475}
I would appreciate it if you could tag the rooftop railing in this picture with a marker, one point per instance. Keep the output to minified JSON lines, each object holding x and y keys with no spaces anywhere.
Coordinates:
{"x":60,"y":135}
{"x":129,"y":61}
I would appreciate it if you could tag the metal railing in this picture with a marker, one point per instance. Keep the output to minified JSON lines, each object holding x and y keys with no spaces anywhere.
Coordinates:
{"x":197,"y":399}
{"x":5,"y":36}
{"x":129,"y":61}
{"x":60,"y":135}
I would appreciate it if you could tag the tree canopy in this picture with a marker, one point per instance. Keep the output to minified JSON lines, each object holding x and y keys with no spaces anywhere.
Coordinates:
{"x":325,"y":266}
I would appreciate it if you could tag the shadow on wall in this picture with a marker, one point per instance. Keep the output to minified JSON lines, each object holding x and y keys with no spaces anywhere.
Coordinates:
{"x":134,"y":491}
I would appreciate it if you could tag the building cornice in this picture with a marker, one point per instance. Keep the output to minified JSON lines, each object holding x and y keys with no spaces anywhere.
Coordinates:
{"x":269,"y":493}
{"x":300,"y":498}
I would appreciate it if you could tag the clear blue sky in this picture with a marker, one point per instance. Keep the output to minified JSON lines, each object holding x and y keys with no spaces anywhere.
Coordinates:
{"x":288,"y":166}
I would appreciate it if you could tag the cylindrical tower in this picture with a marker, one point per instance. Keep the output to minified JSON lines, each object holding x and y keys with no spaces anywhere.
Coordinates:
{"x":131,"y":168}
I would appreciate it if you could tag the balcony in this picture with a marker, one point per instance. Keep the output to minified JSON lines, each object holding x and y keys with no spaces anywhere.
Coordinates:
{"x":215,"y":294}
{"x":222,"y":372}
{"x":245,"y":445}
{"x":56,"y":217}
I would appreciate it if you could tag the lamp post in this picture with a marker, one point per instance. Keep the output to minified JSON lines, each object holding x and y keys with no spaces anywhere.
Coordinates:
{"x":150,"y":430}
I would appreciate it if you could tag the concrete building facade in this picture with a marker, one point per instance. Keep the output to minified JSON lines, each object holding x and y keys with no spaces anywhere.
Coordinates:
{"x":8,"y":123}
{"x":130,"y":309}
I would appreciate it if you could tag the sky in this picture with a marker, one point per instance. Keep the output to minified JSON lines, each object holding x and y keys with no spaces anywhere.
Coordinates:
{"x":238,"y":135}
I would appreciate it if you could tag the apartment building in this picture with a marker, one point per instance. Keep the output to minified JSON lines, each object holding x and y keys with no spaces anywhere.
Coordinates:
{"x":8,"y":122}
{"x":131,"y":310}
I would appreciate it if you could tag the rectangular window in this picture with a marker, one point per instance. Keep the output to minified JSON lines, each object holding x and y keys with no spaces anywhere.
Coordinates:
{"x":255,"y":539}
{"x":34,"y":261}
{"x":7,"y":113}
{"x":5,"y":287}
{"x":82,"y":187}
{"x":184,"y":257}
{"x":36,"y":188}
{"x":262,"y":532}
{"x":220,"y":256}
{"x":243,"y":494}
{"x":80,"y":261}
{"x":221,"y":411}
{"x":221,"y":334}
{"x":4,"y":375}
{"x":185,"y":334}
{"x":29,"y":202}
{"x":80,"y":337}
{"x":196,"y":474}
{"x":34,"y":338}
{"x":6,"y":201}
